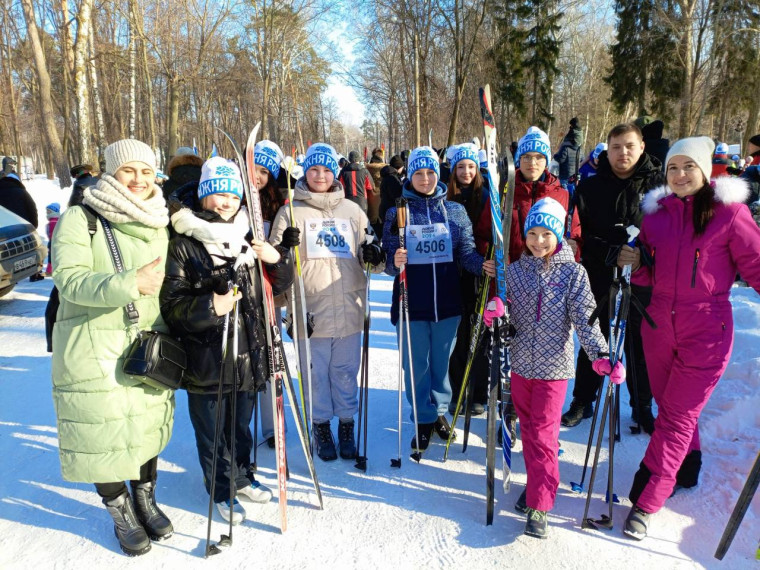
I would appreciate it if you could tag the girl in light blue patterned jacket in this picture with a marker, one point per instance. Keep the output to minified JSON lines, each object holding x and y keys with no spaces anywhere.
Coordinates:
{"x":550,"y":295}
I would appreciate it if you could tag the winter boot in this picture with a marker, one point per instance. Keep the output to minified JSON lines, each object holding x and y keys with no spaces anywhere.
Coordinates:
{"x":346,"y":441}
{"x":636,"y":523}
{"x":646,"y":420}
{"x":521,"y":506}
{"x":238,"y":512}
{"x":536,"y":525}
{"x":443,"y":429}
{"x":578,"y":411}
{"x":477,"y":409}
{"x":132,"y":537}
{"x":323,"y":438}
{"x":640,"y":480}
{"x":254,"y":493}
{"x":688,"y":473}
{"x":156,"y":524}
{"x":426,"y":432}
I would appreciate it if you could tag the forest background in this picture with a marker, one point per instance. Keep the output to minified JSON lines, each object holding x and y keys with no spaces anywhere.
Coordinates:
{"x":79,"y":74}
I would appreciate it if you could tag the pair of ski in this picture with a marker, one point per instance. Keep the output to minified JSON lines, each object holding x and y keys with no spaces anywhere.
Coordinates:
{"x":501,"y":203}
{"x":278,"y":376}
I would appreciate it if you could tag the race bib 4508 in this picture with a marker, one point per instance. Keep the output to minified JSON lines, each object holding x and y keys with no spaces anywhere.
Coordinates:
{"x":332,"y":237}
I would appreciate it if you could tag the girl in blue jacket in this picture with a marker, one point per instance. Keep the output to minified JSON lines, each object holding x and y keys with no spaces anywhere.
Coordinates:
{"x":438,"y":239}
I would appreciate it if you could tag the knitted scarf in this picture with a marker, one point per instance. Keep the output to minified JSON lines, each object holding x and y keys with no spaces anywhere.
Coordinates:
{"x":222,"y":240}
{"x":112,"y":200}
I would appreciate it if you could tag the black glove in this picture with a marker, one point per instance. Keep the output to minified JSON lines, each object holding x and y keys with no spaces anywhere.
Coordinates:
{"x":373,"y":254}
{"x":618,"y":235}
{"x":288,"y":322}
{"x":291,"y":237}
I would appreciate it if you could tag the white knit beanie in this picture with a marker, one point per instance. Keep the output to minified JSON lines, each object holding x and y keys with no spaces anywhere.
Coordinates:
{"x":128,"y":150}
{"x":699,"y":149}
{"x":535,"y":140}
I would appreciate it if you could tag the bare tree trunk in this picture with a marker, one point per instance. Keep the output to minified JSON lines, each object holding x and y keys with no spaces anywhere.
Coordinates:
{"x":99,"y":124}
{"x":67,"y":57}
{"x":11,"y":91}
{"x":46,"y":102}
{"x":148,"y":82}
{"x":132,"y":72}
{"x":173,"y":126}
{"x":80,"y":79}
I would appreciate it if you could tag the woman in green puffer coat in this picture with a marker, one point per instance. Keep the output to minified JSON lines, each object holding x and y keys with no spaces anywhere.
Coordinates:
{"x":111,"y":427}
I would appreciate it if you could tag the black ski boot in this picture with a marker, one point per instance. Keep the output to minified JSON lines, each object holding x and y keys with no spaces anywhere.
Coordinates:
{"x":578,"y":411}
{"x":156,"y":524}
{"x":640,"y":480}
{"x":536,"y":525}
{"x":323,"y":438}
{"x":133,"y":539}
{"x":646,"y":420}
{"x":521,"y":506}
{"x":443,"y":429}
{"x":636,"y":523}
{"x":688,"y":474}
{"x":346,"y":440}
{"x":426,"y":432}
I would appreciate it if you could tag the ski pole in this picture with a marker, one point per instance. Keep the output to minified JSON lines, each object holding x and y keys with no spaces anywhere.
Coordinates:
{"x":740,"y":509}
{"x":233,"y":404}
{"x":401,"y":217}
{"x":212,"y":549}
{"x":361,"y":458}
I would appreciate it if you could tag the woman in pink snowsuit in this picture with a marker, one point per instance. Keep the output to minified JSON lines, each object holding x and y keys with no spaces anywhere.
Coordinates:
{"x":695,"y":236}
{"x":550,"y":296}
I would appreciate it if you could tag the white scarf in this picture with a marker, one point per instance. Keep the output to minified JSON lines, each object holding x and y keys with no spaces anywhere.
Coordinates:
{"x":112,"y":200}
{"x":220,"y":240}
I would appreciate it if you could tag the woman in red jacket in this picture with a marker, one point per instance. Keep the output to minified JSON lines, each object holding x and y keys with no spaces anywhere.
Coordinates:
{"x":695,"y":236}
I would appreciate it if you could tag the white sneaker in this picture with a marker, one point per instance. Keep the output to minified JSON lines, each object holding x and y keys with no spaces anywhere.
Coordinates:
{"x":254,"y":493}
{"x":238,"y":512}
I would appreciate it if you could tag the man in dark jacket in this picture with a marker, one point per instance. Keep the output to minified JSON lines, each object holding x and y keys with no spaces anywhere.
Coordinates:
{"x":391,"y":186}
{"x":83,"y":178}
{"x":356,"y":180}
{"x":13,"y":194}
{"x":569,"y":155}
{"x":607,"y":204}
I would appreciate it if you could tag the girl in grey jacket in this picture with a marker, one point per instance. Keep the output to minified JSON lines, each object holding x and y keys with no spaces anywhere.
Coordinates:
{"x":550,"y":295}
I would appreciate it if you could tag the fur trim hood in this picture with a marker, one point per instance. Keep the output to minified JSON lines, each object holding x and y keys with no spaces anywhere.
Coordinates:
{"x":728,"y":190}
{"x":183,"y":160}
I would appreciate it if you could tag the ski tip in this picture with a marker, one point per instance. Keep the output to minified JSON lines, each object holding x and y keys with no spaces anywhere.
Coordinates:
{"x":253,"y":134}
{"x":416,"y":455}
{"x":396,"y":462}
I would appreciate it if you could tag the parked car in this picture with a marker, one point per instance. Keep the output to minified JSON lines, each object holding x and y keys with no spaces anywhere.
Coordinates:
{"x":22,"y":252}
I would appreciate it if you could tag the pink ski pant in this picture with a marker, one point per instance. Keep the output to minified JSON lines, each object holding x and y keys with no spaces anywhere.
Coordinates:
{"x":538,"y":404}
{"x":686,"y":355}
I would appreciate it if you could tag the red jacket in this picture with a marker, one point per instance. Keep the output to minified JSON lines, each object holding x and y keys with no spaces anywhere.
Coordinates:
{"x":527,"y":194}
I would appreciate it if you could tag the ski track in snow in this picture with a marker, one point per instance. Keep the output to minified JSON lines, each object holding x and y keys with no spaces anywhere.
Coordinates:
{"x":425,"y":515}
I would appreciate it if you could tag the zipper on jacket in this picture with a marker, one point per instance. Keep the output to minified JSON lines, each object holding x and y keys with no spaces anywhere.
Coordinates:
{"x":694,"y":269}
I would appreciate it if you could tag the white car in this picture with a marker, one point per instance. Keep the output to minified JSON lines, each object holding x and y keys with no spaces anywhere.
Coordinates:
{"x":22,"y":252}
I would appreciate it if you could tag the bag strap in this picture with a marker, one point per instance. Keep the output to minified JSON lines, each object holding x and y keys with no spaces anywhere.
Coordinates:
{"x":113,"y":246}
{"x":92,"y":219}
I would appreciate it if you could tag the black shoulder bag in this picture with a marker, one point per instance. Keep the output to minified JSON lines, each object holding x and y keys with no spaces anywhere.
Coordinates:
{"x":157,"y":358}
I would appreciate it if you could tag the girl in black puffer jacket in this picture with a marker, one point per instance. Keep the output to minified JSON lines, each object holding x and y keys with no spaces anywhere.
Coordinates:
{"x":210,"y":250}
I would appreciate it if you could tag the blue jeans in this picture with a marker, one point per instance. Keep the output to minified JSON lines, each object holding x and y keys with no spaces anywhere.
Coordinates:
{"x":432,"y":344}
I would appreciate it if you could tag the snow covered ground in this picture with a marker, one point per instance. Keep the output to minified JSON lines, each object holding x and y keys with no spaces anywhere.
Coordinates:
{"x":429,"y":515}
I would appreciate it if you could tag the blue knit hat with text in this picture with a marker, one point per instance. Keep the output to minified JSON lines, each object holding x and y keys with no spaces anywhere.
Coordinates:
{"x":268,"y":154}
{"x":466,"y":151}
{"x":549,"y":214}
{"x":423,"y":157}
{"x":535,"y":140}
{"x":321,"y":154}
{"x":220,"y":176}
